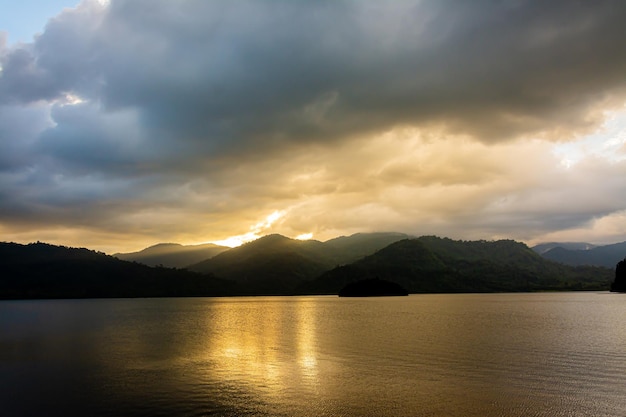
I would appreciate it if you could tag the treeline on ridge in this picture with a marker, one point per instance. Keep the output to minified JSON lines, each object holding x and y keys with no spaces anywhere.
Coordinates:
{"x":431,"y":264}
{"x":40,"y":270}
{"x":276,"y":265}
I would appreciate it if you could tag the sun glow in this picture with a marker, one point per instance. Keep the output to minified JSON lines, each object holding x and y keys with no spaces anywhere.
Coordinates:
{"x":305,"y":236}
{"x":231,"y":242}
{"x":256,"y":231}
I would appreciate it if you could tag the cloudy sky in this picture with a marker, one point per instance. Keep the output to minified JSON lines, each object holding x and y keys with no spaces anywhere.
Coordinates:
{"x":127,"y":123}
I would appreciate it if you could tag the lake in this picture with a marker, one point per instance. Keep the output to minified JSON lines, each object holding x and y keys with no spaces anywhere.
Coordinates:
{"x":540,"y":354}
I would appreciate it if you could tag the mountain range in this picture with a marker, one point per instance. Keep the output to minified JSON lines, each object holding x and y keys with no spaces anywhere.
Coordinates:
{"x":277,"y":265}
{"x":432,"y":264}
{"x":577,"y":254}
{"x":344,"y":249}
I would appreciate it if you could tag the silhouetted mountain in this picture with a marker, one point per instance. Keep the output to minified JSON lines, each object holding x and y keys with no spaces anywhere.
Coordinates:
{"x":607,"y":256}
{"x":432,"y":264}
{"x":173,"y":255}
{"x":273,"y":264}
{"x":278,"y":265}
{"x":544,"y":247}
{"x":39,"y":270}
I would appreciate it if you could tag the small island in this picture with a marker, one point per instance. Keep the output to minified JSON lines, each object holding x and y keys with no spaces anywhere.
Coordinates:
{"x":372,"y":288}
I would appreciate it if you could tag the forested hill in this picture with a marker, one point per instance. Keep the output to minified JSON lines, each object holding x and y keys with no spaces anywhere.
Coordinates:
{"x":40,"y":270}
{"x":278,"y":265}
{"x":433,"y":264}
{"x":273,"y":264}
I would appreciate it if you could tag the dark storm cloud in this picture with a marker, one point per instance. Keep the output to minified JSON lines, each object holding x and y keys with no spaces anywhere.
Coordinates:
{"x":233,"y":76}
{"x":274,"y":72}
{"x":199,"y":108}
{"x":19,"y":129}
{"x":86,"y":140}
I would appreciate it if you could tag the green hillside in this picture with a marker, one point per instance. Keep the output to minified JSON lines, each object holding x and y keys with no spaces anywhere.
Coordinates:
{"x":433,"y":264}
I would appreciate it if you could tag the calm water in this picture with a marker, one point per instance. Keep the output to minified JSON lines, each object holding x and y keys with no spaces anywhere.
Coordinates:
{"x":561,"y":354}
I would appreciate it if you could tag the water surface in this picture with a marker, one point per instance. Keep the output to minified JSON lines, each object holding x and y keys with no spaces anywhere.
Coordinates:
{"x":546,"y":354}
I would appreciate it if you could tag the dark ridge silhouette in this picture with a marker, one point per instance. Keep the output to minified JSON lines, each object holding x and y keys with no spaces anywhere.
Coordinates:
{"x":430,"y":264}
{"x":275,"y":264}
{"x":372,"y":288}
{"x":619,"y":285}
{"x":39,"y":270}
{"x":271,"y":265}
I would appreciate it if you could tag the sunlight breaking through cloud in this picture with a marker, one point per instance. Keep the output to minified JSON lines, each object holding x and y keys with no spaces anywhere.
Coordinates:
{"x":256,"y":231}
{"x":607,"y":142}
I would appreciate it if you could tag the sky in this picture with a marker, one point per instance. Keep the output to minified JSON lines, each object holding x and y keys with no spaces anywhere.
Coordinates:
{"x":128,"y":123}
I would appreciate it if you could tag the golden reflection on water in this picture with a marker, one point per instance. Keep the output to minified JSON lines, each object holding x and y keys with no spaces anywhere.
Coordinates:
{"x":269,"y":345}
{"x":457,"y":355}
{"x":307,"y":330}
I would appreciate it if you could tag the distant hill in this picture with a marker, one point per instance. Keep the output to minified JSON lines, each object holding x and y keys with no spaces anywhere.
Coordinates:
{"x":173,"y":255}
{"x":433,"y":264}
{"x":607,"y":256}
{"x":545,"y":247}
{"x":40,"y":270}
{"x":276,"y":264}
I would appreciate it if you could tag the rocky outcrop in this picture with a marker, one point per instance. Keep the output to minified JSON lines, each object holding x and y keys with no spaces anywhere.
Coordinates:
{"x":619,"y":285}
